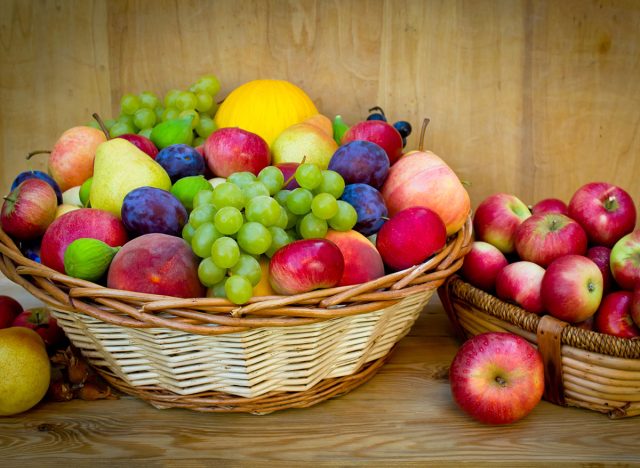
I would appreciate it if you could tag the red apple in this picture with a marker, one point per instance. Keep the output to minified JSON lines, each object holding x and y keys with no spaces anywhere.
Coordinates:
{"x":42,"y":322}
{"x":635,"y":307}
{"x":482,"y":265}
{"x":625,"y":261}
{"x":231,"y":149}
{"x":497,"y":378}
{"x":587,"y":324}
{"x":142,"y":142}
{"x":9,"y":310}
{"x":605,"y":211}
{"x":29,"y":209}
{"x":614,"y":316}
{"x":550,"y":205}
{"x":497,"y":218}
{"x":572,"y":288}
{"x":362,"y":262}
{"x":423,"y":179}
{"x":410,"y":237}
{"x":521,"y":283}
{"x":377,"y":131}
{"x":544,"y":237}
{"x":288,"y":170}
{"x":601,"y":256}
{"x":84,"y":222}
{"x":305,"y":265}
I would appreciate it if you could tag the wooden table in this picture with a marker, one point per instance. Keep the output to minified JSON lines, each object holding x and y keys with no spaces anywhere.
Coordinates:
{"x":403,"y":416}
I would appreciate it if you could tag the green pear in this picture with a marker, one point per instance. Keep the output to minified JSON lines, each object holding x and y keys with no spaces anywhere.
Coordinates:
{"x":119,"y":167}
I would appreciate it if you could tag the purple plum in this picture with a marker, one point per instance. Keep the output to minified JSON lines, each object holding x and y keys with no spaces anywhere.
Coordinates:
{"x":148,"y":210}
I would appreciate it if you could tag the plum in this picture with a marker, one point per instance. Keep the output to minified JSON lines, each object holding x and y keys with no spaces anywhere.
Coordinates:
{"x":369,"y":205}
{"x":181,"y":161}
{"x":362,"y":162}
{"x":149,"y":209}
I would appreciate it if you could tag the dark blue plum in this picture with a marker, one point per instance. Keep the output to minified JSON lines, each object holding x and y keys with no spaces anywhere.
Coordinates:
{"x":369,"y":205}
{"x":31,"y":250}
{"x":403,"y":127}
{"x":181,"y":161}
{"x":38,"y":175}
{"x":361,"y":162}
{"x":146,"y":210}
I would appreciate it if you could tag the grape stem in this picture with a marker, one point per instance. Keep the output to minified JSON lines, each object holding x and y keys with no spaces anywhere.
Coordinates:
{"x":33,"y":153}
{"x":377,"y":108}
{"x":423,"y":131}
{"x":103,"y":127}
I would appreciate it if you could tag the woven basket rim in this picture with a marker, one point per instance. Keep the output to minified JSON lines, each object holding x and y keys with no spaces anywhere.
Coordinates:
{"x":586,"y":340}
{"x":216,"y":316}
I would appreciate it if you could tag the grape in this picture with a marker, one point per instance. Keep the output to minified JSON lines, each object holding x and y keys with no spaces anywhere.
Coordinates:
{"x":324,"y":206}
{"x":228,"y":220}
{"x":299,"y":201}
{"x":283,"y":219}
{"x":170,"y":113}
{"x":148,"y":100}
{"x":281,"y":197}
{"x":228,"y":194}
{"x":209,"y":273}
{"x":195,"y":117}
{"x":238,"y":289}
{"x":217,"y":290}
{"x":120,"y":128}
{"x":204,"y":102}
{"x":187,"y":232}
{"x":264,"y":210}
{"x":109,"y":123}
{"x":254,"y":189}
{"x":203,"y":197}
{"x":279,"y":237}
{"x":203,"y":238}
{"x":312,"y":227}
{"x":170,"y":98}
{"x":202,"y":214}
{"x":144,"y":118}
{"x":94,"y":124}
{"x":129,"y":104}
{"x":308,"y":175}
{"x":249,"y":268}
{"x":225,"y":252}
{"x":145,"y":132}
{"x":158,"y":111}
{"x":197,"y":141}
{"x":127,"y":119}
{"x":242,"y":178}
{"x":254,"y":238}
{"x":332,"y":183}
{"x":403,"y":127}
{"x":292,"y":219}
{"x":206,"y":126}
{"x":272,"y":178}
{"x":209,"y":84}
{"x":186,"y":100}
{"x":346,"y":217}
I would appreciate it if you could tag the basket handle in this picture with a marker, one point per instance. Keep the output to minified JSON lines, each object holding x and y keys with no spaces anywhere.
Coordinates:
{"x":549,"y":334}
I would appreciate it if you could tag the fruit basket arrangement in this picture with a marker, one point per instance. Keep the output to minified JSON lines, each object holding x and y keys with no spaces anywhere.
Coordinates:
{"x":568,"y":284}
{"x":283,"y":280}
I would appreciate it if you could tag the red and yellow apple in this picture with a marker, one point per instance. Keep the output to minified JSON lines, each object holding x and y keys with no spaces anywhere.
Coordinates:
{"x":378,"y":132}
{"x":496,"y":219}
{"x":29,"y":209}
{"x":229,"y":150}
{"x":362,"y":261}
{"x":614,"y":316}
{"x":482,"y":265}
{"x":521,"y":283}
{"x":601,"y":256}
{"x":625,"y":261}
{"x":550,"y":205}
{"x":9,"y":310}
{"x":42,"y":321}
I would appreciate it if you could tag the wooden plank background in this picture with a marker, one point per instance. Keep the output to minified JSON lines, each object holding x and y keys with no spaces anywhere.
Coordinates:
{"x":529,"y":97}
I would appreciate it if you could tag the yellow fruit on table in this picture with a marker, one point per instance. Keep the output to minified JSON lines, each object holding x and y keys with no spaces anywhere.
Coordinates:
{"x":24,"y":369}
{"x":265,"y":107}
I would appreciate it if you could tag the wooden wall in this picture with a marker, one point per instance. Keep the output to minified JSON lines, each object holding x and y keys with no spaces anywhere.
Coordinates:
{"x":524,"y":96}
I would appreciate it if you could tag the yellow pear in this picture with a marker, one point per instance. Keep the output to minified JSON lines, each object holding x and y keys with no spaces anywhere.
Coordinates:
{"x":119,"y":168}
{"x":303,"y":140}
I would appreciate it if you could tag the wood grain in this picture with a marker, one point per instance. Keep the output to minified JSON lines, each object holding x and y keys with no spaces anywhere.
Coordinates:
{"x":532,"y":98}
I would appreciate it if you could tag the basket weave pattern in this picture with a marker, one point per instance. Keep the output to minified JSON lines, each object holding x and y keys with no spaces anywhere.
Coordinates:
{"x":583,"y":368}
{"x":208,"y":354}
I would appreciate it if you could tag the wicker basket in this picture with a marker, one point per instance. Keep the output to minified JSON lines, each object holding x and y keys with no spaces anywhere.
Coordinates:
{"x":208,"y":354}
{"x":582,"y":368}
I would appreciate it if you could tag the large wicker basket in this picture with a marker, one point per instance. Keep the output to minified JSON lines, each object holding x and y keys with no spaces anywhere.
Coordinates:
{"x":583,"y":368}
{"x":208,"y":354}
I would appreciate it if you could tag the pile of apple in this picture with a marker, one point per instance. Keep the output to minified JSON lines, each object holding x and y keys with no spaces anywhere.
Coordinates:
{"x":579,"y":262}
{"x":124,"y":211}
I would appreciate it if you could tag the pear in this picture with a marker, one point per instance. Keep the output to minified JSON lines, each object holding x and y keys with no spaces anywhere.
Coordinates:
{"x":119,"y":168}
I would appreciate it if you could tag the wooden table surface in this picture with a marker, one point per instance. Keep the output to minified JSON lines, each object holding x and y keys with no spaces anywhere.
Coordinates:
{"x":403,"y":416}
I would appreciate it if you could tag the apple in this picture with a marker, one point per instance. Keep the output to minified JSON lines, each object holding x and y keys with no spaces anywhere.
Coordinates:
{"x":605,"y":211}
{"x":143,"y":143}
{"x":497,"y":378}
{"x":29,"y":209}
{"x":231,"y":149}
{"x":305,"y":265}
{"x":614,"y":316}
{"x":379,"y":132}
{"x":410,"y":237}
{"x":9,"y":310}
{"x":40,"y":320}
{"x":601,"y":256}
{"x":572,"y":288}
{"x":362,"y":262}
{"x":71,"y":160}
{"x":482,"y":265}
{"x":625,"y":261}
{"x":303,"y":141}
{"x":421,"y":178}
{"x":544,"y":237}
{"x":288,"y":170}
{"x":635,"y":307}
{"x":550,"y":205}
{"x":497,"y":218}
{"x":83,"y":222}
{"x":38,"y":175}
{"x":521,"y":283}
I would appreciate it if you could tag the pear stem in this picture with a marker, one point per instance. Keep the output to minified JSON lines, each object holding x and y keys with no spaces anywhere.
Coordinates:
{"x":102,"y":125}
{"x":33,"y":153}
{"x":423,"y":131}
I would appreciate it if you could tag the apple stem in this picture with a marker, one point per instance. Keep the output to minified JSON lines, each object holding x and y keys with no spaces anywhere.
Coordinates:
{"x":501,"y":381}
{"x":423,"y":131}
{"x":9,"y":199}
{"x":611,"y":204}
{"x":103,"y":127}
{"x":33,"y":153}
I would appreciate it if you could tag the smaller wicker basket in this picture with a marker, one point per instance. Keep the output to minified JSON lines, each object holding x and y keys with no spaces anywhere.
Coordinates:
{"x":583,"y":368}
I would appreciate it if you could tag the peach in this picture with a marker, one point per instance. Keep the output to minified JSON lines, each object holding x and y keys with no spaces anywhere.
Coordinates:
{"x":362,"y":261}
{"x":156,"y":264}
